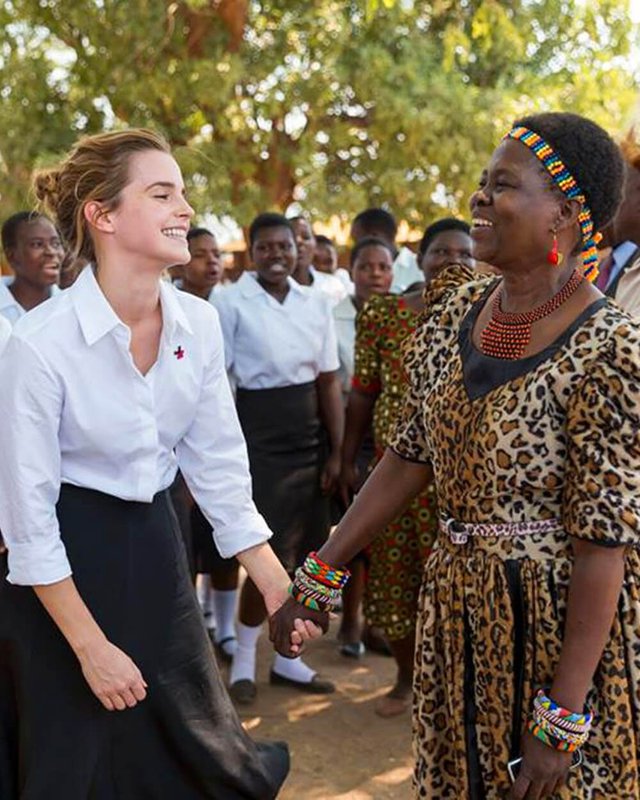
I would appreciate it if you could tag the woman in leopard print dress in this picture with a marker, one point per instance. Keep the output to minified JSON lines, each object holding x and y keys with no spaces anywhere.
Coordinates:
{"x":549,"y":437}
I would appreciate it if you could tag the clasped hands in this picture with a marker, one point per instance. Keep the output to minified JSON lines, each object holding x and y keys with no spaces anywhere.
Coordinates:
{"x":292,"y":624}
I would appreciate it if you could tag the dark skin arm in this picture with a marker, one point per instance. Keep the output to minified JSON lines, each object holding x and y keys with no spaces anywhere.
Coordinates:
{"x":358,"y":419}
{"x":596,"y":582}
{"x":332,"y":416}
{"x":388,"y":491}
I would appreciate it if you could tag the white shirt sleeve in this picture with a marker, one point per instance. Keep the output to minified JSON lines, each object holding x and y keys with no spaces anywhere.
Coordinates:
{"x":31,"y":401}
{"x":329,"y":361}
{"x":227,"y":316}
{"x":213,"y":459}
{"x":5,"y":332}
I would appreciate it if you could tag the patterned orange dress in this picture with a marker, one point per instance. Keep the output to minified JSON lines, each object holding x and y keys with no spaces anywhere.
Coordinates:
{"x":397,"y":556}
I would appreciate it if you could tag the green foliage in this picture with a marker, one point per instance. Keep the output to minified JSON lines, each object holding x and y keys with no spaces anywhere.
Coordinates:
{"x":336,"y":104}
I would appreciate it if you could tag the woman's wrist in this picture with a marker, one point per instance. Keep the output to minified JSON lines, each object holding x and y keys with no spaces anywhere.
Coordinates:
{"x":266,"y":571}
{"x":86,"y":642}
{"x":571,"y":700}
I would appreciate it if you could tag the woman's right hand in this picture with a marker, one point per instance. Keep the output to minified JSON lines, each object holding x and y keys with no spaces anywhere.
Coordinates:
{"x":112,"y":676}
{"x":348,"y":483}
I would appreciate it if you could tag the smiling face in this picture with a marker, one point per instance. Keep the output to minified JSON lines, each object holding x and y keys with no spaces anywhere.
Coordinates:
{"x":372,"y":271}
{"x":38,"y":253}
{"x":444,"y":250}
{"x":514,"y":210}
{"x":204,"y":270}
{"x":151,"y":219}
{"x":305,"y":242}
{"x":273,"y":253}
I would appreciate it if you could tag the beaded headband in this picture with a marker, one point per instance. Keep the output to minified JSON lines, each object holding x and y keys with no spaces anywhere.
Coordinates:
{"x":569,"y":186}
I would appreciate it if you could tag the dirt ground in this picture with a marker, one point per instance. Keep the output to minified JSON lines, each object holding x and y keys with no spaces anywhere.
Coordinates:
{"x":340,"y":750}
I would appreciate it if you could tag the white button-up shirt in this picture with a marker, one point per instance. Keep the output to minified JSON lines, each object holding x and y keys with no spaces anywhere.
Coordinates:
{"x":345,"y":315}
{"x":270,"y":344}
{"x":75,"y":409}
{"x":328,"y":285}
{"x":5,"y":332}
{"x":10,"y":308}
{"x":405,"y":271}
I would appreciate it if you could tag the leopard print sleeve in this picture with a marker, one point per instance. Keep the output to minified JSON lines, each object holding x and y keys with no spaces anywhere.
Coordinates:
{"x":602,"y":482}
{"x":409,"y":439}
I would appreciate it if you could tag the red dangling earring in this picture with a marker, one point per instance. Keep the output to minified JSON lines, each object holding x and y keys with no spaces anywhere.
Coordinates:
{"x":554,"y":256}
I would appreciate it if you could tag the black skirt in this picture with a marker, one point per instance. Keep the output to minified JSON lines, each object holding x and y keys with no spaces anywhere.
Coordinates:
{"x":287,"y":451}
{"x":185,"y":740}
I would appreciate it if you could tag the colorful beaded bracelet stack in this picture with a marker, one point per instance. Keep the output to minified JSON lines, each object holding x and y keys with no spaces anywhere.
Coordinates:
{"x":557,"y":727}
{"x":318,"y":586}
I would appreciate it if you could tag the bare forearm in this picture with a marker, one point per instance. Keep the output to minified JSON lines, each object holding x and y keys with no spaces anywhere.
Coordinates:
{"x":596,"y":581}
{"x":266,"y":571}
{"x":386,"y":493}
{"x":358,"y":419}
{"x":331,"y":408}
{"x":70,"y":613}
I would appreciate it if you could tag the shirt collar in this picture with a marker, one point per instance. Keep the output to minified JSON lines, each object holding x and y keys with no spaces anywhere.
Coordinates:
{"x":173,"y":315}
{"x":623,"y":252}
{"x":249,"y":286}
{"x":345,"y":309}
{"x":97,"y":317}
{"x":7,"y":300}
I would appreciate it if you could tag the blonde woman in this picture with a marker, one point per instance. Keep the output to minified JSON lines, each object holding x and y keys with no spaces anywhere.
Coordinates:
{"x":105,"y":391}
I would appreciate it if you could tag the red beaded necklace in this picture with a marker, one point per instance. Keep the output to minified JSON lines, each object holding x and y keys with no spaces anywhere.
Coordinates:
{"x":507,"y":335}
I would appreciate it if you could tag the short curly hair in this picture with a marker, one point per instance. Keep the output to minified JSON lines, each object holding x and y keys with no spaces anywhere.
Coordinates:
{"x":371,"y":241}
{"x":438,"y":227}
{"x":589,"y":153}
{"x":268,"y":219}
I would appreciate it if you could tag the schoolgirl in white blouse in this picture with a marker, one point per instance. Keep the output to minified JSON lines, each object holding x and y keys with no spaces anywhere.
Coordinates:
{"x":281,"y":353}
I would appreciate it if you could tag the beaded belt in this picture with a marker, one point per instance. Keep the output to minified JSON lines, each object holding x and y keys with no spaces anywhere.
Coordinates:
{"x":459,"y":532}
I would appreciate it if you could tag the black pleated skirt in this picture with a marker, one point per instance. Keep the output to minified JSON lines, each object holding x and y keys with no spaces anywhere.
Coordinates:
{"x":185,"y":741}
{"x":287,"y":451}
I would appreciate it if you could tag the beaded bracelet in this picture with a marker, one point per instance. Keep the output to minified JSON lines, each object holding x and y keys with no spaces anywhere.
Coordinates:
{"x":570,"y":727}
{"x":550,"y":741}
{"x":318,"y":586}
{"x":558,"y":733}
{"x":306,"y":601}
{"x":316,"y":568}
{"x":557,"y":727}
{"x":303,"y":581}
{"x":542,"y":701}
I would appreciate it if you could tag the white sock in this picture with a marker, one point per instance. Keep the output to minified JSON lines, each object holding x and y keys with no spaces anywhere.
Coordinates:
{"x":204,"y":595}
{"x":293,"y":668}
{"x":202,"y":591}
{"x":243,"y":666}
{"x":224,"y":612}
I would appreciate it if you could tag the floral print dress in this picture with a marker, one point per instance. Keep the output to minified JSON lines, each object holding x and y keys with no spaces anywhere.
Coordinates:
{"x":396,"y":558}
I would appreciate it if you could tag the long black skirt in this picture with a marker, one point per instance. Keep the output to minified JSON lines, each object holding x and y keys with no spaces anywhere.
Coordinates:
{"x":287,"y":452}
{"x":184,"y":741}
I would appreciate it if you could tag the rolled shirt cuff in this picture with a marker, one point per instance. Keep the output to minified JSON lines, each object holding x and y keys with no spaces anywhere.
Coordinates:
{"x":38,"y":564}
{"x":247,"y":531}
